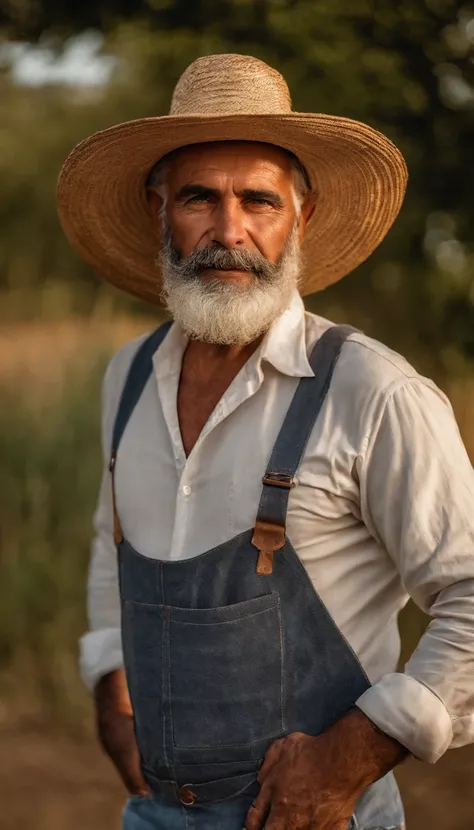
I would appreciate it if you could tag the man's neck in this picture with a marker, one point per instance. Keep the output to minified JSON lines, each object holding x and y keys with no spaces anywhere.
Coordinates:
{"x":210,"y":355}
{"x":207,"y":372}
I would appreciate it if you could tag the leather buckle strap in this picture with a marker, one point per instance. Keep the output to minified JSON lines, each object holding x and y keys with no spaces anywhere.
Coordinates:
{"x":267,"y":538}
{"x":278,"y":480}
{"x":269,"y":535}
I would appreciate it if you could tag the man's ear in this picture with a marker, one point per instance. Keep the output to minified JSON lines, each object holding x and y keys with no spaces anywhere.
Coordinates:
{"x":155,"y":203}
{"x":307,"y":210}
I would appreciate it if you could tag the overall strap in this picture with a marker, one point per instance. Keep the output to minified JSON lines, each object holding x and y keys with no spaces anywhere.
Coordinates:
{"x":269,"y":533}
{"x":138,"y":374}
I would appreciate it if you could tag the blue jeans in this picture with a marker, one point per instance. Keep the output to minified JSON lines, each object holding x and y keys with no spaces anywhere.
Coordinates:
{"x":159,"y":814}
{"x":156,"y":813}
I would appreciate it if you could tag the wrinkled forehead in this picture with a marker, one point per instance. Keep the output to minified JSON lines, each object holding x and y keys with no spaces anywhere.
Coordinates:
{"x":229,"y":157}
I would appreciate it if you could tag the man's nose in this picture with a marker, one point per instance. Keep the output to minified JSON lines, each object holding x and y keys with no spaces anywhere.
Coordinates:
{"x":229,"y":225}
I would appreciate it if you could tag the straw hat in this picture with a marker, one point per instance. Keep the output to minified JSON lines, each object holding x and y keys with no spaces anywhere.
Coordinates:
{"x":358,"y":175}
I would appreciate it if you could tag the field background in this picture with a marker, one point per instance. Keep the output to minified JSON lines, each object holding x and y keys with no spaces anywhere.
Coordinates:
{"x":68,"y":69}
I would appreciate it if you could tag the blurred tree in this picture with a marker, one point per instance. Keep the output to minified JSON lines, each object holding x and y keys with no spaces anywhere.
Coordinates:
{"x":404,"y":67}
{"x":32,"y":18}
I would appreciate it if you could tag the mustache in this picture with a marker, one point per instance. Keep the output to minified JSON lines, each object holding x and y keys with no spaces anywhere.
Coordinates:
{"x":217,"y":257}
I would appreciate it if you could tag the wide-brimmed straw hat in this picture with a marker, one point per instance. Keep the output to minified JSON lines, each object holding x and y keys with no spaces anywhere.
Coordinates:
{"x":358,"y":176}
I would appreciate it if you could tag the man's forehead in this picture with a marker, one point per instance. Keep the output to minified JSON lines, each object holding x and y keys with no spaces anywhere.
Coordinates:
{"x":244,"y":156}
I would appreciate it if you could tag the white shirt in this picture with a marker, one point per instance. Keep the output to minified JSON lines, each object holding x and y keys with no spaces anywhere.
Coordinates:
{"x":383,"y":508}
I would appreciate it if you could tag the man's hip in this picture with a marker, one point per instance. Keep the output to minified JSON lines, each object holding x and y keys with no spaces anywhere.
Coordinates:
{"x":157,"y":813}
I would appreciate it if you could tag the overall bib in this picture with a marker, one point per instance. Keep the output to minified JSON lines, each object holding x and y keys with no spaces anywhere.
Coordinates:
{"x":231,"y":649}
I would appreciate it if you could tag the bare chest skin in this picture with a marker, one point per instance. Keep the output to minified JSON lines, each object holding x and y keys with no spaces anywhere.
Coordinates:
{"x":206,"y":374}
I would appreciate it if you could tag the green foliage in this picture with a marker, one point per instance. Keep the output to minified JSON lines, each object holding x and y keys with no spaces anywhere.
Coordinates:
{"x":48,"y":487}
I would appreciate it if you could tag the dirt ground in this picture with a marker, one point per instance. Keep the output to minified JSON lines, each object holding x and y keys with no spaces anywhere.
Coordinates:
{"x":51,"y":783}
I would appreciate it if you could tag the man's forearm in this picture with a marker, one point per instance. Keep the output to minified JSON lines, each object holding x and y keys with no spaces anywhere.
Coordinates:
{"x":372,"y":753}
{"x":111,"y":693}
{"x":116,"y":731}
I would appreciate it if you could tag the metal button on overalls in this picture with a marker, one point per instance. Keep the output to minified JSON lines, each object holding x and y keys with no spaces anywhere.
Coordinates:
{"x":186,"y":796}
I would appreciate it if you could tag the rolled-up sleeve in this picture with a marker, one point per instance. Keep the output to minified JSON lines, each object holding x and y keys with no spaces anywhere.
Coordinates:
{"x":417,"y":499}
{"x":101,"y":647}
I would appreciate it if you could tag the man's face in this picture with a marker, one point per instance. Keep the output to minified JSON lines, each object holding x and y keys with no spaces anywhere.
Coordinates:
{"x":238,"y":195}
{"x":231,"y":224}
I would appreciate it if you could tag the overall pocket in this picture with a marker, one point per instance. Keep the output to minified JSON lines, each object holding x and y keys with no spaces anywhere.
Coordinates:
{"x":226,"y":674}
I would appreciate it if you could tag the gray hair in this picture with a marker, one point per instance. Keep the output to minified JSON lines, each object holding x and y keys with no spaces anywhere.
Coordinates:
{"x":301,"y":180}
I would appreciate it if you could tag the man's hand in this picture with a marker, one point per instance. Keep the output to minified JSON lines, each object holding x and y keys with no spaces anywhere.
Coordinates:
{"x":308,"y":782}
{"x":115,"y":729}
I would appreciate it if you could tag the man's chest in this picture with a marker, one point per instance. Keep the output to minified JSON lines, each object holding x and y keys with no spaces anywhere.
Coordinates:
{"x":203,"y":385}
{"x":174,"y":505}
{"x":196,"y":401}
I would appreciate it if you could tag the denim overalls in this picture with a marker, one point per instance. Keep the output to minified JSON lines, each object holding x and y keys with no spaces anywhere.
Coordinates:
{"x":233,"y":648}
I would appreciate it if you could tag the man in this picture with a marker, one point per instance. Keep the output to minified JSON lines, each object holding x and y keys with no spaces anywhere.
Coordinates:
{"x":275,"y":486}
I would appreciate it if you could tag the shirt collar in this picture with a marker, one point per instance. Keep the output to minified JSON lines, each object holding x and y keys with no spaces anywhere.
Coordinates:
{"x":284,"y":345}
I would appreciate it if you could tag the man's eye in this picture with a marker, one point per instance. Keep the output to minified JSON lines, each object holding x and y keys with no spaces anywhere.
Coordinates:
{"x":198,"y":198}
{"x":261,"y":202}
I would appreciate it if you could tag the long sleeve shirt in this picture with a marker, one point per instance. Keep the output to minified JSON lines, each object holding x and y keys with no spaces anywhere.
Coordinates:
{"x":383,"y":509}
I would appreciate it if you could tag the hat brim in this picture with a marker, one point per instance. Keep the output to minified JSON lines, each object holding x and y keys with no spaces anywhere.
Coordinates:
{"x":358,"y":175}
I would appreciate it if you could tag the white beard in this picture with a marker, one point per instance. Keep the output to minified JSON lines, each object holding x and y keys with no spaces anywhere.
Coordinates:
{"x":228,"y":313}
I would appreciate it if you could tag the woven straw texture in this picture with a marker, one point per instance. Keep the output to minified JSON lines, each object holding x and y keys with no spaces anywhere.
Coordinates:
{"x":358,"y":175}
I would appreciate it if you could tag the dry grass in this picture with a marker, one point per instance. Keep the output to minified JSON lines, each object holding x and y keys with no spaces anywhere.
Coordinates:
{"x":50,"y":376}
{"x":36,"y":355}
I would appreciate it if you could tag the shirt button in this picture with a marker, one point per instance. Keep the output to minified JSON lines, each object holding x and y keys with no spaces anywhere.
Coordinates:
{"x":187,"y":490}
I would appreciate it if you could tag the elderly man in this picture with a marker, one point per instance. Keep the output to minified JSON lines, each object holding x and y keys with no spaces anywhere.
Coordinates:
{"x":275,"y":486}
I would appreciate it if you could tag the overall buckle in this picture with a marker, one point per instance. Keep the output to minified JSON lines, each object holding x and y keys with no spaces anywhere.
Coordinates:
{"x":278,"y":480}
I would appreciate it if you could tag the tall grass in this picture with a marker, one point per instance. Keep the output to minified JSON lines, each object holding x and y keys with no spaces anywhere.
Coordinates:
{"x":49,"y":473}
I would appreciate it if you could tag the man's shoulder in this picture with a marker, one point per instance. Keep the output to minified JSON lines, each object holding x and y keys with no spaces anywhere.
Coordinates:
{"x":120,"y":362}
{"x":365,"y":362}
{"x":375,"y":363}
